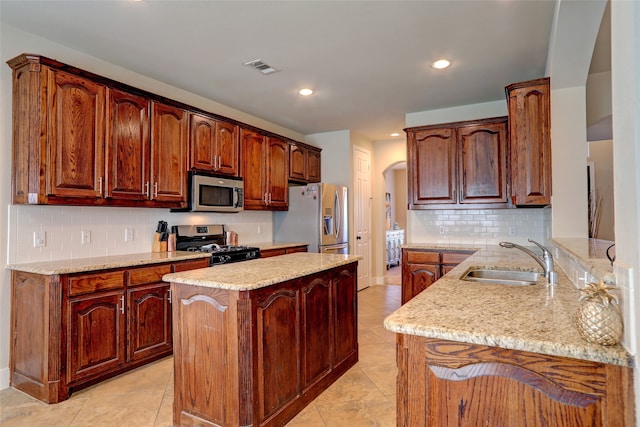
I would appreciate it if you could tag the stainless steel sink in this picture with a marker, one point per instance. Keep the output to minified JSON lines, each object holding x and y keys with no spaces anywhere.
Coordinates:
{"x":505,"y":277}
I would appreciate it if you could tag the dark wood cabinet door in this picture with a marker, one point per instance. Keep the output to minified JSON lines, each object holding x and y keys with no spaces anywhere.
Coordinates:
{"x":278,"y":182}
{"x":75,"y":131}
{"x":149,"y":321}
{"x":96,"y":335}
{"x":254,"y":169}
{"x":168,"y":153}
{"x":297,"y":162}
{"x":278,"y":349}
{"x":227,"y":150}
{"x":314,"y":165}
{"x":201,"y":143}
{"x":127,"y":146}
{"x":317,"y":330}
{"x":420,"y":268}
{"x":530,"y":139}
{"x":345,"y":313}
{"x":482,"y":165}
{"x":432,"y":167}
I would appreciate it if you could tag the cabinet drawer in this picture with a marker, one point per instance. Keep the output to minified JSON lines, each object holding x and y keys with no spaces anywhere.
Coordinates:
{"x":455,"y":257}
{"x":95,"y":282}
{"x":153,"y":274}
{"x":191,"y":265}
{"x":420,"y":257}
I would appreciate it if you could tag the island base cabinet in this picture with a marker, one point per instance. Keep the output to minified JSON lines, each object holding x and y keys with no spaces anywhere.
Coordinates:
{"x":259,"y":357}
{"x":445,"y":383}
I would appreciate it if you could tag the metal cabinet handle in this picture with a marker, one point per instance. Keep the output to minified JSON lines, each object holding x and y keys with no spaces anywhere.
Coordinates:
{"x":122,"y":304}
{"x":169,"y":299}
{"x":100,"y":186}
{"x":269,"y":198}
{"x":155,"y":189}
{"x":146,"y":189}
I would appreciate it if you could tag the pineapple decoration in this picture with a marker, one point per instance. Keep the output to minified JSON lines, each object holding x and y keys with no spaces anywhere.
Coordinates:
{"x":598,"y":318}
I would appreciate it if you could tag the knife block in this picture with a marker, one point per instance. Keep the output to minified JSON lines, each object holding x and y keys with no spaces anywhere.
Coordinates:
{"x":157,"y":245}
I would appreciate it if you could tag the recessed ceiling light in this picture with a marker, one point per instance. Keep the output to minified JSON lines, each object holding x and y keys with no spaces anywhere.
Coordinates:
{"x":305,"y":92}
{"x":395,"y":134}
{"x":441,"y":63}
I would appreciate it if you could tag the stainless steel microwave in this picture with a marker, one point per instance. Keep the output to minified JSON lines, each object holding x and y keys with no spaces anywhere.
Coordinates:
{"x":212,"y":194}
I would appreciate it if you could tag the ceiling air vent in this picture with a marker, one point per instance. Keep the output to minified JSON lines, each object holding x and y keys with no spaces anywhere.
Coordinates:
{"x":261,"y":66}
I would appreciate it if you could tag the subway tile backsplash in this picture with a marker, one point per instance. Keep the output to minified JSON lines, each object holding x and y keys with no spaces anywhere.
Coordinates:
{"x":63,"y":226}
{"x":481,"y":227}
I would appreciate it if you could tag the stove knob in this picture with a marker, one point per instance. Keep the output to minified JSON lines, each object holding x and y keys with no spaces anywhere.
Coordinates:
{"x":250,"y":255}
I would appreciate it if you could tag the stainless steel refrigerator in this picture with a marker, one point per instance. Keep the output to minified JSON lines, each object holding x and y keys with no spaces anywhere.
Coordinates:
{"x":318,"y":214}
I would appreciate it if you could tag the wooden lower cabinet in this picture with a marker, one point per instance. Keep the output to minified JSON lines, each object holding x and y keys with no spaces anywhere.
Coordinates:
{"x":266,"y":253}
{"x":422,"y":267}
{"x":259,"y":357}
{"x":72,"y":330}
{"x":446,"y":383}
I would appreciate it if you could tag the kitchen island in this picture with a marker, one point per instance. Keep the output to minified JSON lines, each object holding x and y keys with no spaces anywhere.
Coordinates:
{"x":255,"y":342}
{"x":494,"y":354}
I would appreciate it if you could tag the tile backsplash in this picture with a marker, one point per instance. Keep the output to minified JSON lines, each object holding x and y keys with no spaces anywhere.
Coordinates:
{"x":63,"y":226}
{"x":482,"y":226}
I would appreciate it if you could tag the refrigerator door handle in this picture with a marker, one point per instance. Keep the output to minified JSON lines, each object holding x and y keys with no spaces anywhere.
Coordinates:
{"x":338,"y":214}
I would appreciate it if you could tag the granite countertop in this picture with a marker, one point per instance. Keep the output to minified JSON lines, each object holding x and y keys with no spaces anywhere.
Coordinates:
{"x":104,"y":262}
{"x":590,"y":254}
{"x":443,"y":246}
{"x":260,"y":273}
{"x":535,"y":318}
{"x":263,"y":246}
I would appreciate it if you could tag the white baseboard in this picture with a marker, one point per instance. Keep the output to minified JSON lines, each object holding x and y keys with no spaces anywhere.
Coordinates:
{"x":4,"y":378}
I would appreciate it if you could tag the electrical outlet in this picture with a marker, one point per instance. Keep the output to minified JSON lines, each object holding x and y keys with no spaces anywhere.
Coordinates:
{"x":86,"y":237}
{"x":442,"y":231}
{"x":128,"y":234}
{"x":39,"y":239}
{"x":259,"y":230}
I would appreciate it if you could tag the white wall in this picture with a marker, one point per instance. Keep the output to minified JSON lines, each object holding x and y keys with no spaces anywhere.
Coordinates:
{"x":337,"y":169}
{"x":400,"y":192}
{"x":457,"y":114}
{"x":63,"y":224}
{"x":601,"y":154}
{"x":625,"y":82}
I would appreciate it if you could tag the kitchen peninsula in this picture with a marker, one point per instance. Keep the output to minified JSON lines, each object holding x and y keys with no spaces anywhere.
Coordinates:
{"x":473,"y":353}
{"x":255,"y":342}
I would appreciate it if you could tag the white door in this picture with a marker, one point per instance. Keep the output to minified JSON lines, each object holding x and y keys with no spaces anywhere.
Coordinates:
{"x":362,"y":213}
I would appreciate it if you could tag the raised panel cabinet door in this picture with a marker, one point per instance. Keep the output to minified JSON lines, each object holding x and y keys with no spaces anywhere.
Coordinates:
{"x":417,"y":278}
{"x":530,"y":139}
{"x":254,"y":169}
{"x":432,"y":167}
{"x":278,"y":179}
{"x":75,"y":134}
{"x":317,"y":333}
{"x":96,"y":335}
{"x":345,"y":313}
{"x":168,"y":153}
{"x":227,"y":148}
{"x":297,"y":162}
{"x":313,"y":165}
{"x":128,"y":146}
{"x":278,"y":349}
{"x":149,"y":322}
{"x":482,"y":167}
{"x":201,"y":143}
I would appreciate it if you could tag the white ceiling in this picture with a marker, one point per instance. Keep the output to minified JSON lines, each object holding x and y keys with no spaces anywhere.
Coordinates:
{"x":368,"y":61}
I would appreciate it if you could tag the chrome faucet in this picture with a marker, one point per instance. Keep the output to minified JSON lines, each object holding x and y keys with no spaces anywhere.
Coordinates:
{"x":546,"y":261}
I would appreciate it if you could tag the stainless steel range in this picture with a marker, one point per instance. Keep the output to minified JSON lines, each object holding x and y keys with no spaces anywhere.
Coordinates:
{"x":211,"y":239}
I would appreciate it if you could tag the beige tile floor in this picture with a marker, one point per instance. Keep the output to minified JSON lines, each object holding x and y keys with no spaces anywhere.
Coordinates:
{"x":364,"y":396}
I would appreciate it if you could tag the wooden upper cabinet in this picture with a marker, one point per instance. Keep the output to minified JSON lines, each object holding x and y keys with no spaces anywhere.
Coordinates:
{"x":168,"y":153}
{"x":127,"y":146}
{"x":456,"y":165}
{"x":265,"y":166}
{"x":431,"y":167}
{"x":483,"y":163}
{"x":304,"y":163}
{"x":75,"y":133}
{"x":278,"y":166}
{"x":214,"y":145}
{"x":530,"y":139}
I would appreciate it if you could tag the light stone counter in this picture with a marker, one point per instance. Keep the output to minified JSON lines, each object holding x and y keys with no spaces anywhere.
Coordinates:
{"x":443,"y":246}
{"x":260,"y":273}
{"x":535,"y":318}
{"x":590,"y":255}
{"x":104,"y":263}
